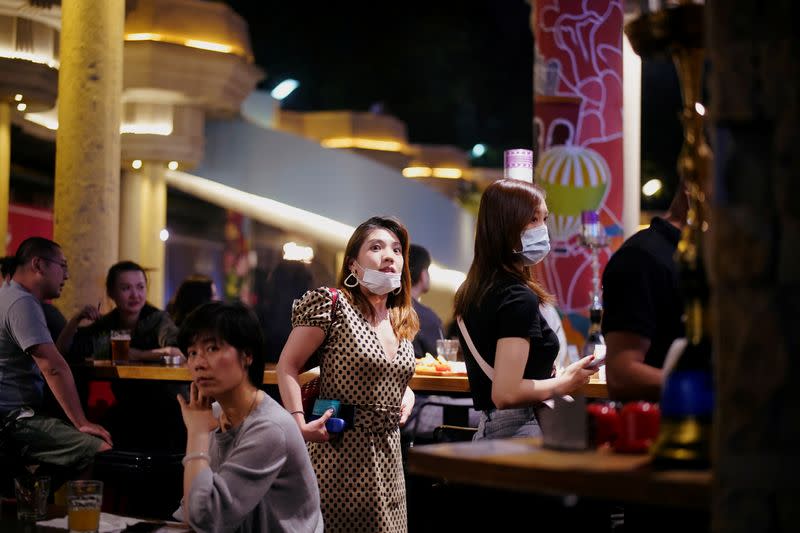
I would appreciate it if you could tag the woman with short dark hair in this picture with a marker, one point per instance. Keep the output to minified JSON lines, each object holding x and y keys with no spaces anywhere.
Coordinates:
{"x":249,"y":469}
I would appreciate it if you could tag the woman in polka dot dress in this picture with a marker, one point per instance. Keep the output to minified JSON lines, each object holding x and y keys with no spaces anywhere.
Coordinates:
{"x":367,"y":361}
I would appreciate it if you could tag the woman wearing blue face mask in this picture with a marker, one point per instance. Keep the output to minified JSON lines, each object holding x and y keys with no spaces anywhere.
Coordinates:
{"x":508,"y":346}
{"x":367,"y":359}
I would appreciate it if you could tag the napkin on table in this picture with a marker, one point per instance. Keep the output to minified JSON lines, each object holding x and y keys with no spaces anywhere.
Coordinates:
{"x":108,"y":522}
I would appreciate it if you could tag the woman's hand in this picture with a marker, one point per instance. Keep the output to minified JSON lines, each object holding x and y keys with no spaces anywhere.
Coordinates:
{"x":575,"y":376}
{"x":156,"y":354}
{"x":197,"y":415}
{"x":87,"y":312}
{"x":406,"y":406}
{"x":171,"y":351}
{"x":315,"y":431}
{"x":67,"y":335}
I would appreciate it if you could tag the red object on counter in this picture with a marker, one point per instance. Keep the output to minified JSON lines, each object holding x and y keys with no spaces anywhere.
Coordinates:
{"x":604,"y":423}
{"x":639,"y":424}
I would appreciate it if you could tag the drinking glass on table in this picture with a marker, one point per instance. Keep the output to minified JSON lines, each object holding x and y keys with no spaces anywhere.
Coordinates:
{"x":120,"y":344}
{"x":84,"y":499}
{"x":447,"y":348}
{"x":31,"y":492}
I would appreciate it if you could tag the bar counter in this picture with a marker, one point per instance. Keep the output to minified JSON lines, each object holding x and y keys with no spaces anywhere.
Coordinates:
{"x":522,"y":464}
{"x":107,"y":370}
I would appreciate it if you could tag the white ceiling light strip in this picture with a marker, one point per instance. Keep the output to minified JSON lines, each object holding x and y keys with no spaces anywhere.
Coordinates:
{"x":286,"y":217}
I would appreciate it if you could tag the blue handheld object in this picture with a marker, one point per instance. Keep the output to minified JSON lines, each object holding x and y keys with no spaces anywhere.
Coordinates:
{"x":322,"y":405}
{"x":334,"y":425}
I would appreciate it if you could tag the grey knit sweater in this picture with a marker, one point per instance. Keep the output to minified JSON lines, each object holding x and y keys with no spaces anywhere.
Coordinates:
{"x":261,"y":478}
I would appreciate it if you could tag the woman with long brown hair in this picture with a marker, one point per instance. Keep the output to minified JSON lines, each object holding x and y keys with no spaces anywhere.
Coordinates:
{"x":508,"y":346}
{"x":363,"y":334}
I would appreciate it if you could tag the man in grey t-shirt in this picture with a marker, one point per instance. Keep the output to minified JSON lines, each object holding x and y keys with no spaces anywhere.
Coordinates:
{"x":29,"y":358}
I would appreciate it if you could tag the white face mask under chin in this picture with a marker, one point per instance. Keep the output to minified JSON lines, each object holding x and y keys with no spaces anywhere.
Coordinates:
{"x":535,"y":245}
{"x":378,"y":282}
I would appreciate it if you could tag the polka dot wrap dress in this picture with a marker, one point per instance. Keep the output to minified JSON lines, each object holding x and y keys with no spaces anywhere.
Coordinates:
{"x":360,"y":474}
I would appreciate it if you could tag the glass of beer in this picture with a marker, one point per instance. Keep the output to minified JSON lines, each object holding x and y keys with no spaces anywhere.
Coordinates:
{"x":120,"y":344}
{"x":84,"y":499}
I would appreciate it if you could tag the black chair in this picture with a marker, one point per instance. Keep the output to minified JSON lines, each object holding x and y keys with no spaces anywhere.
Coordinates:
{"x":140,"y":483}
{"x":445,"y":433}
{"x":413,"y":435}
{"x":143,"y":474}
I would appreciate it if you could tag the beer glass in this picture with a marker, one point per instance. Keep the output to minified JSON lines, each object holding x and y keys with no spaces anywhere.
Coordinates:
{"x":84,"y":499}
{"x":120,"y":344}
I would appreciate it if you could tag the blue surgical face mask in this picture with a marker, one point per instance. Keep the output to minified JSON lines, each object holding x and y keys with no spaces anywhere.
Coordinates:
{"x":535,"y":245}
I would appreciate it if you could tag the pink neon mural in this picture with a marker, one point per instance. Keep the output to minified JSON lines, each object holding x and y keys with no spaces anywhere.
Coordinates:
{"x":578,"y":118}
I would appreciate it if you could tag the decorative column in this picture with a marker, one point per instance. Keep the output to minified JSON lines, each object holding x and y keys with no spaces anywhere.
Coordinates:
{"x":754,"y":267}
{"x":28,"y":82}
{"x":143,"y":214}
{"x":579,"y":130}
{"x":88,"y":145}
{"x":5,"y":172}
{"x":165,"y":125}
{"x":632,"y":138}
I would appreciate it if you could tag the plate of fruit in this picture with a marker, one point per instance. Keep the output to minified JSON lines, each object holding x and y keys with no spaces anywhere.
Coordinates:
{"x":439,"y":366}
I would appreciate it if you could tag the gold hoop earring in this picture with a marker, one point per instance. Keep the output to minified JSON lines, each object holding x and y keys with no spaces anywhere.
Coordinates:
{"x":355,"y":281}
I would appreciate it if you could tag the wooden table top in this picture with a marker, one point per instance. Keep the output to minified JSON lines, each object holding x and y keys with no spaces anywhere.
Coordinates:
{"x":160,"y":372}
{"x":10,"y":524}
{"x":522,"y":464}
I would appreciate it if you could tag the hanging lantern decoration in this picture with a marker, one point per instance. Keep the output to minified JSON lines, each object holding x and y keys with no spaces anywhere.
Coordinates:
{"x":575,"y":179}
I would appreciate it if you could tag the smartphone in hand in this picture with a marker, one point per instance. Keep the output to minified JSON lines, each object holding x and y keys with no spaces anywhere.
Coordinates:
{"x":599,"y":357}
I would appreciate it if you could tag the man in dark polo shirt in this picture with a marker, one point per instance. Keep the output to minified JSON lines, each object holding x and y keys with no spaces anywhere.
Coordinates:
{"x":643,"y":307}
{"x":430,"y":325}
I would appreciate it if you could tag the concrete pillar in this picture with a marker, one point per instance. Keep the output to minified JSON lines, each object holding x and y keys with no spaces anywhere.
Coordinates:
{"x":88,"y":145}
{"x":143,"y":214}
{"x":5,"y":172}
{"x":754,"y":263}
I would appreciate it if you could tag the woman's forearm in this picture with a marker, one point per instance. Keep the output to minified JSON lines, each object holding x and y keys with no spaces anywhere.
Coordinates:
{"x":526,"y":392}
{"x":67,"y":335}
{"x":195,"y":445}
{"x":289,"y":387}
{"x":407,"y":405}
{"x":409,"y":399}
{"x":303,"y":341}
{"x":144,"y":355}
{"x":509,"y":389}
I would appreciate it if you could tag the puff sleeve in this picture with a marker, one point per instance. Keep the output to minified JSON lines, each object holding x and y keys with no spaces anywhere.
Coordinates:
{"x":314,"y":309}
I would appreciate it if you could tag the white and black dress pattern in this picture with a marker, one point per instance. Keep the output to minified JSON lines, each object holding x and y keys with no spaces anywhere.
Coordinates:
{"x":360,"y":474}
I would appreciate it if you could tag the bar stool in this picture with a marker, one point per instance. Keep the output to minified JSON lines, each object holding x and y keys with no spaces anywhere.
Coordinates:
{"x":12,"y":458}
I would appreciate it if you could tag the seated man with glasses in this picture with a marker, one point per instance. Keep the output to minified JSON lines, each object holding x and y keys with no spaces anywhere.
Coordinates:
{"x":29,"y":358}
{"x":55,"y":320}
